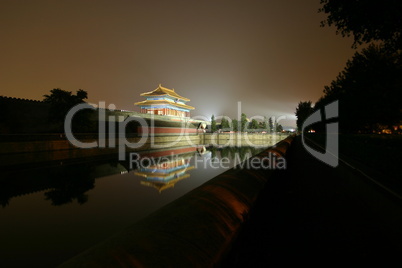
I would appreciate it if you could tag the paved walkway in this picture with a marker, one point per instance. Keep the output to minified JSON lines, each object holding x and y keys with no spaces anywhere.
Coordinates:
{"x":315,"y":214}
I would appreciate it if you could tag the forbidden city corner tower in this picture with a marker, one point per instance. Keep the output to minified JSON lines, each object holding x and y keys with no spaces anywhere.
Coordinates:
{"x":164,"y":101}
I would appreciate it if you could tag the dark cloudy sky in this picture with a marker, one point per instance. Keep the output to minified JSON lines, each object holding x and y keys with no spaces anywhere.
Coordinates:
{"x":267,"y":54}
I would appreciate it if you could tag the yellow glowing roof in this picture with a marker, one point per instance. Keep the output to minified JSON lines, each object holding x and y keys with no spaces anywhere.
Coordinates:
{"x":160,"y":186}
{"x":164,"y":91}
{"x":164,"y":102}
{"x":162,"y":175}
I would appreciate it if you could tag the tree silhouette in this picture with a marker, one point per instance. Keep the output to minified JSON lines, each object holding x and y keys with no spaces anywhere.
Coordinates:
{"x":368,"y":90}
{"x":235,"y":125}
{"x":263,"y":124}
{"x":243,"y":122}
{"x":270,"y":125}
{"x":213,"y":124}
{"x":225,"y":126}
{"x":366,"y":20}
{"x":254,"y":124}
{"x":278,"y":127}
{"x":61,"y":102}
{"x":303,"y":110}
{"x":60,"y":96}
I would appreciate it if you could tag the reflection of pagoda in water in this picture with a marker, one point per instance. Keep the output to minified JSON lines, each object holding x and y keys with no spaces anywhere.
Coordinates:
{"x":166,"y":174}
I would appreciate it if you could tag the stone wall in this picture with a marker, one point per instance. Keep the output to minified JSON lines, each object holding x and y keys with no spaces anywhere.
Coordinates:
{"x":23,"y":116}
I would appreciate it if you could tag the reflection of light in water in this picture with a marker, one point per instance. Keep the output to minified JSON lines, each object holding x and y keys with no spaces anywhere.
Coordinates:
{"x":164,"y":175}
{"x":160,"y":186}
{"x":113,"y":191}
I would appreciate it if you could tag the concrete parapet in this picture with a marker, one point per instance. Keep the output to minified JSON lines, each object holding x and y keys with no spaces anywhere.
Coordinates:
{"x":195,"y":230}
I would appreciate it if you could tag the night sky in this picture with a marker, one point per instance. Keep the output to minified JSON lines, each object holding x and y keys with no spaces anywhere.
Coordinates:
{"x":267,"y":54}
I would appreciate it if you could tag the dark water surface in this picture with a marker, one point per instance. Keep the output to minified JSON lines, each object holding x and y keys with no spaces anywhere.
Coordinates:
{"x":52,"y":212}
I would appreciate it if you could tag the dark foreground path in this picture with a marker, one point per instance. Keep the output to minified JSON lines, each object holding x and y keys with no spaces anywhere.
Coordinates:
{"x":315,"y":214}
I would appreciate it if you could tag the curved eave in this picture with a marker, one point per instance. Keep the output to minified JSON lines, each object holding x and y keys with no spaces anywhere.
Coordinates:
{"x":176,"y":96}
{"x":160,"y":91}
{"x":163,"y":102}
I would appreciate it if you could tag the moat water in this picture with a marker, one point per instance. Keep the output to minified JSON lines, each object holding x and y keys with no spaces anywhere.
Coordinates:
{"x":55,"y":211}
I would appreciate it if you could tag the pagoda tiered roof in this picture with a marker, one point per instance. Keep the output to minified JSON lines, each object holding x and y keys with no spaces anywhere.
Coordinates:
{"x":161,"y":91}
{"x":164,"y":102}
{"x":164,"y":94}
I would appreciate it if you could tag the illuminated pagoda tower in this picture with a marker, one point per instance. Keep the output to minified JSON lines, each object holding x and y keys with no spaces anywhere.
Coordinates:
{"x":164,"y":101}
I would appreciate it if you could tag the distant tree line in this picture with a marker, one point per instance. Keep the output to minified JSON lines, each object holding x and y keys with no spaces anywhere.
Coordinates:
{"x":369,"y":89}
{"x":245,"y":125}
